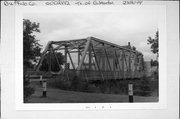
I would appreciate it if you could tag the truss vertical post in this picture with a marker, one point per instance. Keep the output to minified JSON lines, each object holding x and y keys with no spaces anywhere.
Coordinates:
{"x":78,"y":55}
{"x":71,"y":60}
{"x":125,"y":75}
{"x":123,"y":61}
{"x":97,"y":63}
{"x":83,"y":55}
{"x":130,"y":73}
{"x":114,"y":67}
{"x":90,"y":57}
{"x":50,"y":58}
{"x":135,"y":62}
{"x":117,"y":61}
{"x":142,"y":65}
{"x":109,"y":62}
{"x":65,"y":56}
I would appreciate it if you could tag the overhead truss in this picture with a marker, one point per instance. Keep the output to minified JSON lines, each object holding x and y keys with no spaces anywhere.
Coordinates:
{"x":95,"y":59}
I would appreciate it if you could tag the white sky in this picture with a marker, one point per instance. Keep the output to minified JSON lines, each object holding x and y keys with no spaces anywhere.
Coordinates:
{"x":132,"y":26}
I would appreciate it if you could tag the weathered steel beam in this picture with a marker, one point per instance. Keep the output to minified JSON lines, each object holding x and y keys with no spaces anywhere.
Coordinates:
{"x":42,"y":56}
{"x":114,"y":66}
{"x":56,"y":58}
{"x":90,"y":57}
{"x":126,"y":61}
{"x":130,"y":73}
{"x":71,"y":60}
{"x":84,"y":53}
{"x":50,"y":52}
{"x":59,"y":46}
{"x":117,"y":61}
{"x":65,"y":56}
{"x":108,"y":47}
{"x":97,"y":63}
{"x":97,"y":45}
{"x":73,"y":51}
{"x":76,"y":45}
{"x":123,"y":61}
{"x":70,"y":49}
{"x":109,"y":63}
{"x":135,"y":63}
{"x":66,"y":41}
{"x":78,"y":55}
{"x":111,"y":44}
{"x":41,"y":60}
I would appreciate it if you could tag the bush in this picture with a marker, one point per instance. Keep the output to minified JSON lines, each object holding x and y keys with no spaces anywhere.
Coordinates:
{"x":114,"y":87}
{"x":115,"y":90}
{"x":78,"y":84}
{"x":59,"y":83}
{"x":145,"y":87}
{"x":103,"y":87}
{"x":92,"y":88}
{"x":123,"y":87}
{"x":28,"y":91}
{"x":74,"y":84}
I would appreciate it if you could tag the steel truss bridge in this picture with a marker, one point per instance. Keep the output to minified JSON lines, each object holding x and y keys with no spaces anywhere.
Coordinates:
{"x":94,"y":59}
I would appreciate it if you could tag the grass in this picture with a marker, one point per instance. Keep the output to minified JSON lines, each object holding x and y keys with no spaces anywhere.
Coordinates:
{"x":64,"y":96}
{"x":78,"y":91}
{"x":143,"y":87}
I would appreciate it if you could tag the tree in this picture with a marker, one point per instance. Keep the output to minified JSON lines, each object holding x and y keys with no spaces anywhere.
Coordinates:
{"x":31,"y":47}
{"x":154,"y":42}
{"x":54,"y":63}
{"x":154,"y":63}
{"x":31,"y":51}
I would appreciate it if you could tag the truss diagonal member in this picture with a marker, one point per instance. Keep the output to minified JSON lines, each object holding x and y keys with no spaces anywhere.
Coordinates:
{"x":98,"y":43}
{"x":43,"y":55}
{"x":109,"y":62}
{"x":59,"y":46}
{"x":77,"y":44}
{"x":40,"y":62}
{"x":118,"y":63}
{"x":97,"y":63}
{"x":71,"y":59}
{"x":94,"y":63}
{"x":56,"y":58}
{"x":79,"y":55}
{"x":90,"y":57}
{"x":50,"y":58}
{"x":130,"y":73}
{"x":125,"y":60}
{"x":135,"y":62}
{"x":84,"y":53}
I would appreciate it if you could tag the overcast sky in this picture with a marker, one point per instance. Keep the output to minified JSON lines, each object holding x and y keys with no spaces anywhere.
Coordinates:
{"x":132,"y":26}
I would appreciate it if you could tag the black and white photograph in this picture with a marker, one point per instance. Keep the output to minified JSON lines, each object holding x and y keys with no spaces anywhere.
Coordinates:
{"x":100,"y":59}
{"x":91,"y":57}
